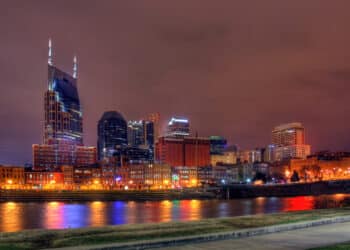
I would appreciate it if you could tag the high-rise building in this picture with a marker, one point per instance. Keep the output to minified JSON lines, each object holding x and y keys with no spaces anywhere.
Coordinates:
{"x":140,"y":133}
{"x":63,"y":115}
{"x":289,"y":142}
{"x":186,"y":151}
{"x":112,"y":135}
{"x":217,"y":145}
{"x":136,"y":133}
{"x":288,"y":134}
{"x":155,"y":119}
{"x":141,"y":136}
{"x":178,"y":127}
{"x":269,"y":153}
{"x":63,"y":123}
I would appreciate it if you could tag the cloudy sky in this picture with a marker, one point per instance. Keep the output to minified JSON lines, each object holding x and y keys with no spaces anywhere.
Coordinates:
{"x":234,"y":68}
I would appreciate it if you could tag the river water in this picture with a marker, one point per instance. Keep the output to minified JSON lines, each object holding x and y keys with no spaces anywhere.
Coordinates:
{"x":15,"y":216}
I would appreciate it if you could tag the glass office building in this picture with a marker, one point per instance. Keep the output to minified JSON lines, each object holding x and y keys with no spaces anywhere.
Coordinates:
{"x":112,"y":135}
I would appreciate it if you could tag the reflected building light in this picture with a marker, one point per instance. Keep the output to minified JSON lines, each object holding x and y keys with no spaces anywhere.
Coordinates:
{"x":54,"y":218}
{"x":11,"y":217}
{"x":98,"y":213}
{"x":166,"y":211}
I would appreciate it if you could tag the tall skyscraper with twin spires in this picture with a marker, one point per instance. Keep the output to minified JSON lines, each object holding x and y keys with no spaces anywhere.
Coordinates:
{"x":63,"y":115}
{"x":63,"y":122}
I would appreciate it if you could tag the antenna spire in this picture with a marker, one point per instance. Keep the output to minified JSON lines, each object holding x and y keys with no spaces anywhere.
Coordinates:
{"x":49,"y":61}
{"x":75,"y":67}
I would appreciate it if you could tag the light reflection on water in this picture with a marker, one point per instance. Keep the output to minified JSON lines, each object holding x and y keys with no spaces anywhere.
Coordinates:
{"x":15,"y":216}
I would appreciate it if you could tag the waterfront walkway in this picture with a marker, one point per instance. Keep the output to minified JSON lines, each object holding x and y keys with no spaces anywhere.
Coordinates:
{"x":300,"y":235}
{"x":295,"y":239}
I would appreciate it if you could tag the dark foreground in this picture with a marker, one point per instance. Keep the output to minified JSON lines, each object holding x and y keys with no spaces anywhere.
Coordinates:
{"x":39,"y":239}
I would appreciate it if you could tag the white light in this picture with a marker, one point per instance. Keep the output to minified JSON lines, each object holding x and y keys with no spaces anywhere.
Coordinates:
{"x":50,"y":53}
{"x":177,"y":120}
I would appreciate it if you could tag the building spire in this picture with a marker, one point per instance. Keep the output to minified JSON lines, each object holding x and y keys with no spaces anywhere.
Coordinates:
{"x":75,"y":67}
{"x":49,"y":61}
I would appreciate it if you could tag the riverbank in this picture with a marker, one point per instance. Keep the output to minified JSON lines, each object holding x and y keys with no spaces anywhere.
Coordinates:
{"x":40,"y":239}
{"x":341,"y":246}
{"x":95,"y":195}
{"x":286,"y":190}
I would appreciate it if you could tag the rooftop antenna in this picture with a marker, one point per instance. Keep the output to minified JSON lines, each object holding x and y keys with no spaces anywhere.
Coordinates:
{"x":75,"y":67}
{"x":49,"y":61}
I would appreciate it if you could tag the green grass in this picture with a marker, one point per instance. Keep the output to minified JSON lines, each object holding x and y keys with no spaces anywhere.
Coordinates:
{"x":38,"y":239}
{"x":341,"y":246}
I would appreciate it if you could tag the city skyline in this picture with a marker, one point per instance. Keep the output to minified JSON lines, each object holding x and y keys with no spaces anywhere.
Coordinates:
{"x":238,"y":96}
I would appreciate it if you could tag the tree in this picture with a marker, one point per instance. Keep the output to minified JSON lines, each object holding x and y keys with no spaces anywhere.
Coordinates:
{"x":260,"y":176}
{"x":295,"y":177}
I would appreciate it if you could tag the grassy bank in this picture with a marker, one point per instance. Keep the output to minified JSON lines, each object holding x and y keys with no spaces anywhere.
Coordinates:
{"x":342,"y":246}
{"x":96,"y":195}
{"x":38,"y":239}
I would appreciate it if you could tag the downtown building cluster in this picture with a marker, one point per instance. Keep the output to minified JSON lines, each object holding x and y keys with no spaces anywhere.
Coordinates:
{"x":136,"y":154}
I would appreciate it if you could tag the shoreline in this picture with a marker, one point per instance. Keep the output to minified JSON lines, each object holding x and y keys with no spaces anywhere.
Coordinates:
{"x":83,"y":196}
{"x":223,"y":193}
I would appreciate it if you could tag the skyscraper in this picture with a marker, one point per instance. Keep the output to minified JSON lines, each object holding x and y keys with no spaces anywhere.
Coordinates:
{"x":289,"y":141}
{"x":155,"y":119}
{"x":136,"y":133}
{"x":178,"y":127}
{"x":141,"y":140}
{"x":63,"y":115}
{"x":63,"y":122}
{"x":112,"y":135}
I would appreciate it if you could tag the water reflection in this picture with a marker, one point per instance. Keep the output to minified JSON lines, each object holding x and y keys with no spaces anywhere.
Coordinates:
{"x":165,"y":211}
{"x":98,"y":213}
{"x":19,"y":216}
{"x":54,"y":215}
{"x":11,"y":217}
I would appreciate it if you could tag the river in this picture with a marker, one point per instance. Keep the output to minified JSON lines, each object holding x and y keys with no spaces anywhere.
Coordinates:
{"x":16,"y":216}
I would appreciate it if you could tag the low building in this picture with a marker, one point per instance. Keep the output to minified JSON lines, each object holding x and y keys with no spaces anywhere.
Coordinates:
{"x":144,"y":176}
{"x":11,"y":177}
{"x":185,"y":176}
{"x":53,"y":156}
{"x":44,"y":179}
{"x":318,"y":168}
{"x":225,"y":175}
{"x":205,"y":175}
{"x":87,"y":177}
{"x":68,"y":176}
{"x":227,"y":158}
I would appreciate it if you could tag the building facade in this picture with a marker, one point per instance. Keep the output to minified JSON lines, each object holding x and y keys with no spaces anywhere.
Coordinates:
{"x":11,"y":177}
{"x":187,"y":151}
{"x":250,"y":156}
{"x":218,"y":145}
{"x":227,"y":158}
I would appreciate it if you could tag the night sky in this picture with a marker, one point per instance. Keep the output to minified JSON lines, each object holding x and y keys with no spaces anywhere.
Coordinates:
{"x":234,"y":68}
